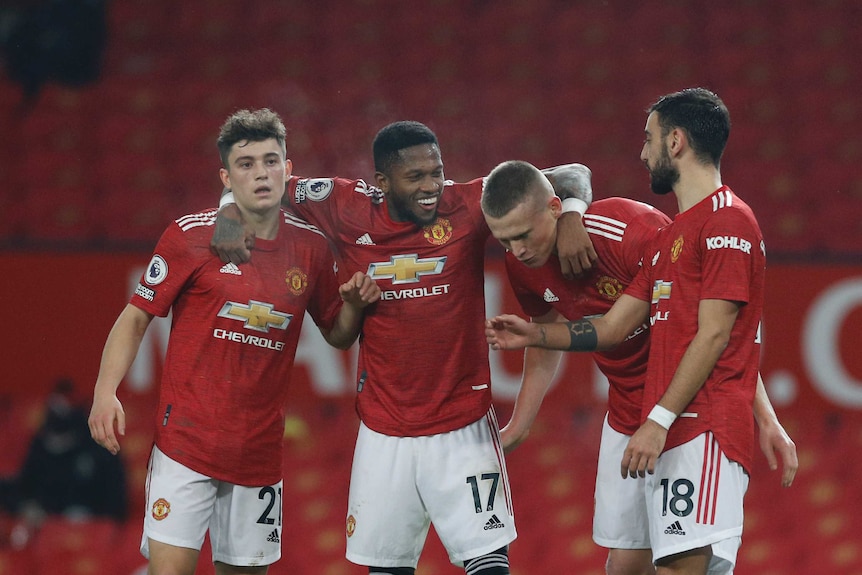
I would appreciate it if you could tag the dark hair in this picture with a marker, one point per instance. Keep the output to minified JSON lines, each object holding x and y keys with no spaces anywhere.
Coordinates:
{"x":702,"y":115}
{"x":508,"y":186}
{"x":251,"y":126}
{"x":391,"y":139}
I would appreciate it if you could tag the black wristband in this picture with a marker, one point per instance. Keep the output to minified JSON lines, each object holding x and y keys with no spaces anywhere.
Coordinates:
{"x":583,"y":335}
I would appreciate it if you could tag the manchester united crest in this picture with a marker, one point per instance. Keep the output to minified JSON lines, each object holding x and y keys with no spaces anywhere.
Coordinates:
{"x":676,"y":249}
{"x":609,"y":288}
{"x":296,"y":281}
{"x":161,"y":509}
{"x":351,"y":525}
{"x":439,"y":232}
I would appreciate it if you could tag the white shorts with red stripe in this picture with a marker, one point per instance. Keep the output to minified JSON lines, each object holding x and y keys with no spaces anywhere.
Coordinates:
{"x":400,"y":485}
{"x":694,"y":499}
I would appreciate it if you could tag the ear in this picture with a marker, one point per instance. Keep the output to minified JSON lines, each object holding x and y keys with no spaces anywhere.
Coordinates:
{"x":678,"y":142}
{"x":224,"y":175}
{"x":555,"y":204}
{"x":288,"y":169}
{"x":382,"y":181}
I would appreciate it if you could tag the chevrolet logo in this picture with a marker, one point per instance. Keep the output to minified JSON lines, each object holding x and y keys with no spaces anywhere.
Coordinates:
{"x":257,"y":315}
{"x":407,"y":268}
{"x":661,"y":290}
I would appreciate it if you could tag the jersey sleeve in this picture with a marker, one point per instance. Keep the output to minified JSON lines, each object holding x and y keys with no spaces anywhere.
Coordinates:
{"x":730,"y":243}
{"x":172,"y":264}
{"x":531,"y":304}
{"x":322,"y":201}
{"x":325,"y":303}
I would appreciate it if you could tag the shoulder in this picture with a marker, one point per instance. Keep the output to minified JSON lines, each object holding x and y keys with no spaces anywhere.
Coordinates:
{"x":299,"y":226}
{"x":320,"y":189}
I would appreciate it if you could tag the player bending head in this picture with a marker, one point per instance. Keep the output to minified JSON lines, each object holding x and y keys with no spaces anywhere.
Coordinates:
{"x":521,"y":210}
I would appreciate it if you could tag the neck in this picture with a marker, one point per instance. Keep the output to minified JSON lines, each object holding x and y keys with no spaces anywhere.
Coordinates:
{"x":265,"y":225}
{"x":696,"y":184}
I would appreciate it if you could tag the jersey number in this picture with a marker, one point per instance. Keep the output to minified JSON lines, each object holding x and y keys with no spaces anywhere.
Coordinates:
{"x":680,"y":503}
{"x":494,"y":478}
{"x":269,"y":493}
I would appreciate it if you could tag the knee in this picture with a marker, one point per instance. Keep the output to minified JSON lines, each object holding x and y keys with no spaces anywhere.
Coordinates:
{"x":495,"y":563}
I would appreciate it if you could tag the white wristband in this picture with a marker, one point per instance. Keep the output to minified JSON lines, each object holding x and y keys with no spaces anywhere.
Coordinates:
{"x":662,"y":416}
{"x":226,"y":199}
{"x":575,"y":205}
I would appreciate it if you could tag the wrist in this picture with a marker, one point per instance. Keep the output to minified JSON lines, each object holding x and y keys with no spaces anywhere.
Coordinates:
{"x":226,"y":199}
{"x":662,"y":416}
{"x":574,"y":205}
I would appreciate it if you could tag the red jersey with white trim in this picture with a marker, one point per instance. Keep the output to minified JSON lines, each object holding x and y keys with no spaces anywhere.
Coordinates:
{"x":233,"y":339}
{"x":620,"y":230}
{"x":423,"y":360}
{"x":713,"y":250}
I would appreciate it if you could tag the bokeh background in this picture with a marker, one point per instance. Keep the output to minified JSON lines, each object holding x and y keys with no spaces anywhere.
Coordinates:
{"x":109,"y":114}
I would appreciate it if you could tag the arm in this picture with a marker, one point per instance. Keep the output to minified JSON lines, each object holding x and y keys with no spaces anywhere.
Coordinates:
{"x":512,"y":332}
{"x":120,"y":350}
{"x":232,"y":241}
{"x":715,"y":321}
{"x":574,"y":247}
{"x":358,"y":292}
{"x":540,"y":366}
{"x":773,"y":437}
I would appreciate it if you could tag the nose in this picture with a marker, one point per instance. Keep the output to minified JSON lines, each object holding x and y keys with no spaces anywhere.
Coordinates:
{"x":430,"y":185}
{"x":644,"y":153}
{"x":517,"y":248}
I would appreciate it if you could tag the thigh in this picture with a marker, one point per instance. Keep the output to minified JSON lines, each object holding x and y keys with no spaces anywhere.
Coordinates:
{"x":179,"y":504}
{"x":463,"y":481}
{"x":246,"y":526}
{"x":620,"y":518}
{"x":694,"y":500}
{"x":386,"y":519}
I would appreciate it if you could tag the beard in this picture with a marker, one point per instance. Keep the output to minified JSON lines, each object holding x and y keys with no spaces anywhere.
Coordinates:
{"x":406,"y":213}
{"x":663,"y":176}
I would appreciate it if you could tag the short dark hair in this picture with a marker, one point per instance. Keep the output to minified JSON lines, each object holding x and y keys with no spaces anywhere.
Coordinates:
{"x":391,"y":139}
{"x":702,"y":115}
{"x":251,"y":126}
{"x":507,"y":187}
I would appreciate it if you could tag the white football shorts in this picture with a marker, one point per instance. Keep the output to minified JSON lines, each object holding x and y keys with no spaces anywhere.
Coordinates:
{"x":694,"y":499}
{"x":400,"y":485}
{"x":620,"y":517}
{"x":244,"y":523}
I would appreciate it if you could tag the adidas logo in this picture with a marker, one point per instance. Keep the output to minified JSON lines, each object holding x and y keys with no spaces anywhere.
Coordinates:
{"x":494,"y":523}
{"x":674,"y":529}
{"x":273,"y":537}
{"x":549,"y":296}
{"x":230,"y":269}
{"x":364,"y":240}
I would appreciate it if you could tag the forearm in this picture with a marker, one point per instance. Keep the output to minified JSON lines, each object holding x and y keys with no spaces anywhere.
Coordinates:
{"x":540,"y":367}
{"x":346,"y":328}
{"x":120,"y":349}
{"x":764,"y":414}
{"x":692,"y":372}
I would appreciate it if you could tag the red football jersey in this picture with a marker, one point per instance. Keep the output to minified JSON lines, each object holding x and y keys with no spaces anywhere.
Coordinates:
{"x":233,"y":339}
{"x":423,"y":360}
{"x":713,"y":250}
{"x":620,"y":230}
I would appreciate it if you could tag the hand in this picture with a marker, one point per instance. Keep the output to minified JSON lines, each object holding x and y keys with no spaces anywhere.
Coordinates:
{"x":774,"y":439}
{"x":231,"y":242}
{"x":360,"y":291}
{"x":105,"y":412}
{"x":512,"y":438}
{"x":510,"y":332}
{"x":643,"y":450}
{"x":574,"y":246}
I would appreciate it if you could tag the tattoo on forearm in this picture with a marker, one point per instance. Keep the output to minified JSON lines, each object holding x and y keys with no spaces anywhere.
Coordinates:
{"x":583,"y":336}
